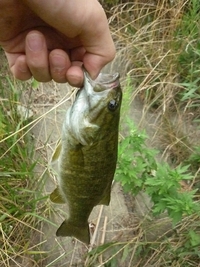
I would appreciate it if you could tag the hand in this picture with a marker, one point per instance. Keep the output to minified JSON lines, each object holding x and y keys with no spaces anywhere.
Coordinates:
{"x":53,"y":39}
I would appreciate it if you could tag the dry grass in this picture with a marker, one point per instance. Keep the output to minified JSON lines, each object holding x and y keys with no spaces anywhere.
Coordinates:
{"x":16,"y":195}
{"x":148,"y":51}
{"x":153,"y":44}
{"x":177,"y":247}
{"x":145,"y":37}
{"x":23,"y":206}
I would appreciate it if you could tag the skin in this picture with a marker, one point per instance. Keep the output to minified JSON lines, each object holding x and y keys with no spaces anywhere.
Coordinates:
{"x":53,"y":39}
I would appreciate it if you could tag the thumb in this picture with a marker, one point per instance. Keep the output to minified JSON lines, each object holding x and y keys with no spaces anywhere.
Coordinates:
{"x":93,"y":63}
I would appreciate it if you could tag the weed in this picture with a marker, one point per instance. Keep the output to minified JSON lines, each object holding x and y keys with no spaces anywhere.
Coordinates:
{"x":18,"y":201}
{"x":159,"y":46}
{"x":135,"y":160}
{"x":187,"y":35}
{"x":160,"y":51}
{"x":138,"y":170}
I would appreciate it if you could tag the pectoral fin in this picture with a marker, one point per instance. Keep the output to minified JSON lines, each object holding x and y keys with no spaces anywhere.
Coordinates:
{"x":56,"y":197}
{"x":68,"y":229}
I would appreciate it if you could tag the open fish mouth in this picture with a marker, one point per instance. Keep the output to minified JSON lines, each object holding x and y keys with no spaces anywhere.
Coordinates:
{"x":107,"y":78}
{"x":104,"y":81}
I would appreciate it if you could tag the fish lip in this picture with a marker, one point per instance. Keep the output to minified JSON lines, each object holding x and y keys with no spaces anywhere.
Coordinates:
{"x":108,"y":81}
{"x":107,"y":78}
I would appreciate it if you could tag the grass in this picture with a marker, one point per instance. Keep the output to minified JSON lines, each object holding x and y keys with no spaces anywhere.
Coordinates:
{"x":180,"y":249}
{"x":25,"y":213}
{"x":159,"y":42}
{"x":158,"y":47}
{"x":19,"y":202}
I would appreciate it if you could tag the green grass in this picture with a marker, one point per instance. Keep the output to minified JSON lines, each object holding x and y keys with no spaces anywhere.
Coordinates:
{"x":18,"y":198}
{"x":158,"y":46}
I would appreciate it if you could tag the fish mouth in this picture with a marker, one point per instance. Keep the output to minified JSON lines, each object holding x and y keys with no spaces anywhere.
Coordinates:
{"x":107,"y":78}
{"x":107,"y":81}
{"x":104,"y":81}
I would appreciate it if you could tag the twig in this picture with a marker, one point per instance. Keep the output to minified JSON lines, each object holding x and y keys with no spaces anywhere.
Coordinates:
{"x":94,"y":235}
{"x":104,"y":230}
{"x":103,"y":237}
{"x":96,"y":229}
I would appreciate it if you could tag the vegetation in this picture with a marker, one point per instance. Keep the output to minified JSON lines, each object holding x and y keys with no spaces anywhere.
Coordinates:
{"x":162,"y":51}
{"x":158,"y":46}
{"x":18,"y":200}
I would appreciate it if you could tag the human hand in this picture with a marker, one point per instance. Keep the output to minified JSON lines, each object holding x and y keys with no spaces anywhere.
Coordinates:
{"x":53,"y":39}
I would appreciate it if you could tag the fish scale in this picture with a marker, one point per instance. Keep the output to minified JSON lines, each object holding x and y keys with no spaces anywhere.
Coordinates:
{"x":87,"y":153}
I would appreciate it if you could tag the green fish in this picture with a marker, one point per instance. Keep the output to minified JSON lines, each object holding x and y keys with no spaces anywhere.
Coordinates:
{"x":87,"y":153}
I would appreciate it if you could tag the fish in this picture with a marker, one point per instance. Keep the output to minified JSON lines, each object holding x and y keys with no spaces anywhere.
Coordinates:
{"x":87,"y":152}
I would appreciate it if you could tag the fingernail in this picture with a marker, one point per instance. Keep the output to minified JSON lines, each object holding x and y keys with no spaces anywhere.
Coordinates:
{"x":35,"y":42}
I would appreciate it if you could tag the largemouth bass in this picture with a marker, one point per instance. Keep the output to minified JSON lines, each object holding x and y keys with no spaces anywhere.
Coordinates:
{"x":87,"y":153}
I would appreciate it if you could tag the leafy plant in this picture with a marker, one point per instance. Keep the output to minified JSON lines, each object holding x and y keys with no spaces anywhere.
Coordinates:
{"x":165,"y":191}
{"x":139,"y":170}
{"x":135,"y":160}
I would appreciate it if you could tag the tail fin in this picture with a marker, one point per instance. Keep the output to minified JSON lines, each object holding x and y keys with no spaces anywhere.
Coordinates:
{"x":68,"y":229}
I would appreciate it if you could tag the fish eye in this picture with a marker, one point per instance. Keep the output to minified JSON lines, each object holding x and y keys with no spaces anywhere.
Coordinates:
{"x":112,"y":105}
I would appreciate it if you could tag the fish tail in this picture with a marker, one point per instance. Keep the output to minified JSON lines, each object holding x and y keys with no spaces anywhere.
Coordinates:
{"x":68,"y":229}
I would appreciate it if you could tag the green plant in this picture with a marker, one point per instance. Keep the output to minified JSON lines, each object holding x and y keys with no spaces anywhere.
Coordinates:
{"x":194,"y":158}
{"x":159,"y":42}
{"x":187,"y":35}
{"x":138,"y":170}
{"x":18,"y":200}
{"x":135,"y":160}
{"x":166,"y":193}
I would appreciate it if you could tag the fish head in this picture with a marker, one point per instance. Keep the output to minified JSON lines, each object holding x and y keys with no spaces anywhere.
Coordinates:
{"x":103,"y":96}
{"x":96,"y":109}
